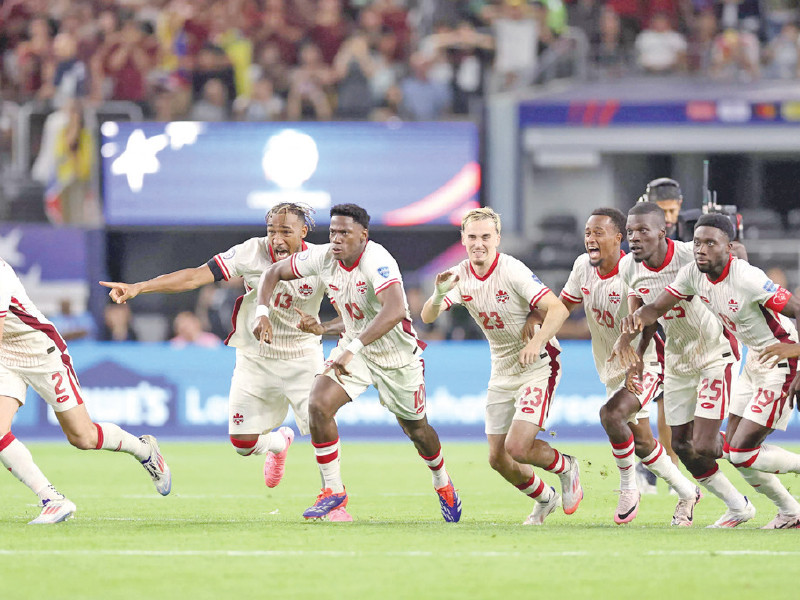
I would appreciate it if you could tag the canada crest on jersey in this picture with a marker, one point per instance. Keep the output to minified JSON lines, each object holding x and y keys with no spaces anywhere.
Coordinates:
{"x":733,"y":305}
{"x":305,"y":290}
{"x":502,"y":297}
{"x":238,"y":418}
{"x":361,"y":287}
{"x":614,"y":298}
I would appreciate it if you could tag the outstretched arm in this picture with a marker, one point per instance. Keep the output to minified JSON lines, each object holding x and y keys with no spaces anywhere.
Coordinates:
{"x":433,"y":306}
{"x":648,"y":314}
{"x":280,"y":271}
{"x":170,"y":283}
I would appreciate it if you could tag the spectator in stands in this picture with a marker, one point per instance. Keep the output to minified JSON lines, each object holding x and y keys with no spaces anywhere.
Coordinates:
{"x":329,"y":30}
{"x":423,"y":100}
{"x":263,"y":105}
{"x":310,"y":86}
{"x":516,"y":39}
{"x":388,"y":71}
{"x":65,"y":75}
{"x":213,"y":105}
{"x":75,"y":153}
{"x":32,"y":55}
{"x":269,"y":65}
{"x":212,"y":63}
{"x":280,"y":31}
{"x":735,"y":56}
{"x":71,"y":325}
{"x":660,"y":49}
{"x":189,"y":332}
{"x":701,"y":42}
{"x":127,"y":62}
{"x":740,"y":15}
{"x":390,"y":106}
{"x":780,"y":55}
{"x":117,"y":324}
{"x":586,"y":15}
{"x":610,"y":56}
{"x":353,"y":68}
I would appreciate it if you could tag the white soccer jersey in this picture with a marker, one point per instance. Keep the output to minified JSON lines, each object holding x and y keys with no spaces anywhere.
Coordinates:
{"x":746,"y":301}
{"x":355,"y":292}
{"x":605,"y":300}
{"x":249,"y":259}
{"x":500,"y":302}
{"x":694,"y":337}
{"x":29,"y":339}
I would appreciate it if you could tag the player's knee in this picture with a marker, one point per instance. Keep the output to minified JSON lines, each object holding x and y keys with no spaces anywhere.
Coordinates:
{"x":498,"y":461}
{"x":707,"y":448}
{"x":684,"y":448}
{"x":517,"y":450}
{"x":319,"y":411}
{"x":611,"y":415}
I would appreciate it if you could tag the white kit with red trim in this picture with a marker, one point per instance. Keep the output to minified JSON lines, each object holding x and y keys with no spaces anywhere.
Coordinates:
{"x":355,"y":292}
{"x":249,"y":259}
{"x":500,"y":302}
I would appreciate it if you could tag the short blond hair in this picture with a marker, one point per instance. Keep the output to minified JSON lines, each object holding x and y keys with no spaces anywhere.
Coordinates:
{"x":481,"y":214}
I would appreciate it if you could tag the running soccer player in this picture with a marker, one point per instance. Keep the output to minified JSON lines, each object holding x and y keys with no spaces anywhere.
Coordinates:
{"x":499,"y":292}
{"x":267,"y":380}
{"x":595,"y":282}
{"x":33,"y":353}
{"x":378,"y":347}
{"x":757,"y":311}
{"x":699,"y":357}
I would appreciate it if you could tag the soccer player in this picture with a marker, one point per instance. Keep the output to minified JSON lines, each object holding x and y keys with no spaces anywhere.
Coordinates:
{"x":699,"y":357}
{"x":378,"y":347}
{"x":32,"y":352}
{"x":757,"y":312}
{"x":499,"y":292}
{"x":266,"y":379}
{"x":595,"y":282}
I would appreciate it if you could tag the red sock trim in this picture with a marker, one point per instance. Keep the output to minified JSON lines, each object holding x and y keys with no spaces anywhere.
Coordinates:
{"x":324,"y":460}
{"x":748,"y":462}
{"x":237,"y":443}
{"x":708,"y":473}
{"x":659,"y":451}
{"x":99,"y":445}
{"x":434,"y":457}
{"x":624,"y":444}
{"x":626,"y":455}
{"x":744,"y":449}
{"x":6,"y":440}
{"x":325,"y":444}
{"x":437,"y":467}
{"x":538,"y":491}
{"x":555,"y":462}
{"x":527,"y":484}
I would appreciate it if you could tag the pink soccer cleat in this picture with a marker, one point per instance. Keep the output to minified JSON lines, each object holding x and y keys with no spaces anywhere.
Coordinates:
{"x":275,"y":464}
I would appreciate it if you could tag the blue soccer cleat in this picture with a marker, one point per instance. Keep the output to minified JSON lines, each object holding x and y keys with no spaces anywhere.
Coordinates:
{"x":449,"y":502}
{"x":326,"y":502}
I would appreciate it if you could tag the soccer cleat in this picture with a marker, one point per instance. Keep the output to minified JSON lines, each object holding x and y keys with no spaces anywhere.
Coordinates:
{"x":157,"y":467}
{"x":326,"y":502}
{"x":627,"y":507}
{"x":732,"y":517}
{"x":783,"y":521}
{"x":54,"y":511}
{"x":541,"y":510}
{"x":645,"y":479}
{"x":274,"y":464}
{"x":684,"y":511}
{"x":449,"y":502}
{"x":571,"y":490}
{"x":340,"y":515}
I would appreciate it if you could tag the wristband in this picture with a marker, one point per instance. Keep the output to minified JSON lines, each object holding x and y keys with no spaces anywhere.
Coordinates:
{"x":354,"y":347}
{"x":438,"y":298}
{"x":262,"y":310}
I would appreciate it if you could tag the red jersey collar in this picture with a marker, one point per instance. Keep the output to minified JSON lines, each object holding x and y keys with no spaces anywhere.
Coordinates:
{"x":667,"y":258}
{"x":613,"y":271}
{"x":303,"y":246}
{"x":724,"y":273}
{"x":489,"y":272}
{"x":358,"y":260}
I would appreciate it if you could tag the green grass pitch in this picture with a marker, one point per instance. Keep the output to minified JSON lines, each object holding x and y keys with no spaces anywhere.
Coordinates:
{"x":222,"y":534}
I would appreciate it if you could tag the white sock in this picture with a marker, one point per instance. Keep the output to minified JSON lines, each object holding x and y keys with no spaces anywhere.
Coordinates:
{"x":626,"y":460}
{"x":18,"y":459}
{"x":327,"y":454}
{"x":658,"y":462}
{"x":537,"y":489}
{"x":436,"y":465}
{"x":769,"y":485}
{"x":769,"y":458}
{"x":719,"y":485}
{"x":111,"y":437}
{"x":269,"y":442}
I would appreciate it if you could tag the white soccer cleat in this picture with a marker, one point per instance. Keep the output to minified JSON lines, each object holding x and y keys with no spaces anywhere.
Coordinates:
{"x":684,"y":511}
{"x":627,"y":507}
{"x":733,"y":518}
{"x":541,"y":510}
{"x":571,"y":490}
{"x":157,"y":467}
{"x":275,"y":464}
{"x":783,"y":521}
{"x":54,"y":511}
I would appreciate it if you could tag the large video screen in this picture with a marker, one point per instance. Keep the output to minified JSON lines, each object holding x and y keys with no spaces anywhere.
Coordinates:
{"x":187,"y":173}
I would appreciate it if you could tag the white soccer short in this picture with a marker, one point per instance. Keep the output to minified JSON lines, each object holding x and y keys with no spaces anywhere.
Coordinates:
{"x":523,"y":397}
{"x":761,"y":397}
{"x":652,"y":388}
{"x":401,"y":390}
{"x":54,"y":381}
{"x":262,"y":389}
{"x":705,"y":394}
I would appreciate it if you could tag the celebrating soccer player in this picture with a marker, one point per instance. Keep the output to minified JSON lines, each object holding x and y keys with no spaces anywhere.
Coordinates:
{"x":499,"y":292}
{"x":757,"y":311}
{"x":699,"y":357}
{"x":379,"y":347}
{"x":595,"y":282}
{"x":33,"y":353}
{"x":266,"y":379}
